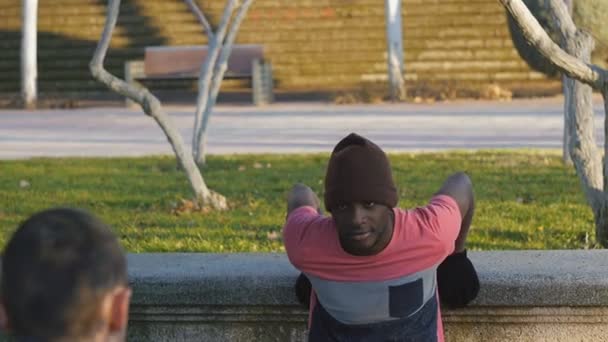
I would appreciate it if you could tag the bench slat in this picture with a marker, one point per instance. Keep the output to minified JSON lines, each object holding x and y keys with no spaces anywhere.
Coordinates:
{"x":186,"y":61}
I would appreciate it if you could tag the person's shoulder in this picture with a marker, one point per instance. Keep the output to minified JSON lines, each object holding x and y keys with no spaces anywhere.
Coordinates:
{"x":308,"y":236}
{"x":439,"y":209}
{"x":307,"y":222}
{"x":443,"y":200}
{"x":437,"y":203}
{"x":304,"y":215}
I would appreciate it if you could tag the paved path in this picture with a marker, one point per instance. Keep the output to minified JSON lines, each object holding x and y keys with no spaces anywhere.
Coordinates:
{"x":293,"y":127}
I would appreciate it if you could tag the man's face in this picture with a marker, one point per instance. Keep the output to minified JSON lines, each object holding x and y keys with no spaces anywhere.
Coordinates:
{"x":364,"y":228}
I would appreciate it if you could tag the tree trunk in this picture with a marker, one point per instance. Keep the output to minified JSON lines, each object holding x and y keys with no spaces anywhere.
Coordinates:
{"x":580,"y":120}
{"x":567,"y":83}
{"x":29,"y":68}
{"x":566,"y":139}
{"x":601,"y":216}
{"x":575,"y":64}
{"x":206,"y":76}
{"x":152,"y":107}
{"x":218,"y":76}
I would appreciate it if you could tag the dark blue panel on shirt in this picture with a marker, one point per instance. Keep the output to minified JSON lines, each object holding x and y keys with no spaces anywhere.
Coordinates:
{"x":405,"y":299}
{"x":419,"y":327}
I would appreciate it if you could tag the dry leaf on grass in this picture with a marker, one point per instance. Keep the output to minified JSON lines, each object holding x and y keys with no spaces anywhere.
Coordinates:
{"x":187,"y":206}
{"x":273,"y":235}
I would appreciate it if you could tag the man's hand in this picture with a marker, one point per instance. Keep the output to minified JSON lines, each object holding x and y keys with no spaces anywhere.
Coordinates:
{"x":302,"y":195}
{"x":457,"y":280}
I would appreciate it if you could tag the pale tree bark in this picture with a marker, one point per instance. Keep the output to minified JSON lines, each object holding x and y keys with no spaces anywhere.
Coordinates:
{"x":582,"y":146}
{"x":200,"y":17}
{"x":580,"y":122}
{"x":534,"y":33}
{"x":204,"y":197}
{"x":29,"y":65}
{"x":218,"y":75}
{"x":578,"y":101}
{"x":206,"y":75}
{"x":567,"y":32}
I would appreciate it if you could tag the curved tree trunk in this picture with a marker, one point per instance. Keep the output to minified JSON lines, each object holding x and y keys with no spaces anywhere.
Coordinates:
{"x":206,"y":75}
{"x":575,"y":64}
{"x":583,"y":144}
{"x":152,"y":107}
{"x":218,"y":75}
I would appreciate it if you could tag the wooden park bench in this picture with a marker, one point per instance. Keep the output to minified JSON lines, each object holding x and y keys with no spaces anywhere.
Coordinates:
{"x":184,"y":62}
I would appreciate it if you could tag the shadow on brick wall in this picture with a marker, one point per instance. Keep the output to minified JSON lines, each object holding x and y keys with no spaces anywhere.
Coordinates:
{"x":63,"y":60}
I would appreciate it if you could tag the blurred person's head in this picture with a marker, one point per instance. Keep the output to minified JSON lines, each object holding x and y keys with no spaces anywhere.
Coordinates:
{"x":64,"y":278}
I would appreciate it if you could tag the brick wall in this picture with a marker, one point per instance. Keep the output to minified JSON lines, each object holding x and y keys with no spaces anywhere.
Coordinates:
{"x":313,"y":44}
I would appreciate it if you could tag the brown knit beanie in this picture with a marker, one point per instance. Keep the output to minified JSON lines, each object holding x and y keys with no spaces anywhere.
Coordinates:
{"x":358,"y":170}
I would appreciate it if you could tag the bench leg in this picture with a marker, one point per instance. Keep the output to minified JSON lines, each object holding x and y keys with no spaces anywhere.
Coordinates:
{"x":268,"y":82}
{"x":262,"y":83}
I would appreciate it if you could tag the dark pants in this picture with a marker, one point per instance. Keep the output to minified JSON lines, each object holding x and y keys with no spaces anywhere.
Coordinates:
{"x":420,"y":327}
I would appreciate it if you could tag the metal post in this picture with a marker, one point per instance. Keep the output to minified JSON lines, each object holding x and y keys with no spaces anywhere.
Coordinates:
{"x":259,"y":81}
{"x":394,"y":42}
{"x":29,"y":67}
{"x":268,"y":82}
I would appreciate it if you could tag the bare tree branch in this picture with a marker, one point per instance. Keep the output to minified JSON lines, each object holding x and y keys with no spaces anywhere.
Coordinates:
{"x":96,"y":65}
{"x":218,"y":75}
{"x":535,"y":34}
{"x":152,"y":107}
{"x":200,"y":17}
{"x":207,"y":73}
{"x":563,"y":19}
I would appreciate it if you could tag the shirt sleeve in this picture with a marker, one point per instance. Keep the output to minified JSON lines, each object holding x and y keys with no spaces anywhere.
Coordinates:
{"x":440,"y":220}
{"x":300,"y":233}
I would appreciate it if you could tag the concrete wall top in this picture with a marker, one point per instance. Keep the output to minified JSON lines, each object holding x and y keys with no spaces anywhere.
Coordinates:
{"x":508,"y":278}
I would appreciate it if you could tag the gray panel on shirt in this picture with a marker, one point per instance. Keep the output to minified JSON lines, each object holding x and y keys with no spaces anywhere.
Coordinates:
{"x":375,"y":301}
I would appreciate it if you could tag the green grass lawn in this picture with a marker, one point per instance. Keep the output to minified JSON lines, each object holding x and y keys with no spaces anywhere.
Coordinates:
{"x":525,"y":199}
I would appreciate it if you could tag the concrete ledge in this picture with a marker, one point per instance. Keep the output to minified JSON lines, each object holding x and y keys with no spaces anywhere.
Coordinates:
{"x":525,"y":296}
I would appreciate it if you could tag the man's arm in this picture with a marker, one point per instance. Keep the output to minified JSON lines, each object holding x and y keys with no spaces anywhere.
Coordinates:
{"x":302,"y":195}
{"x":458,"y":186}
{"x":299,"y":196}
{"x":457,"y":279}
